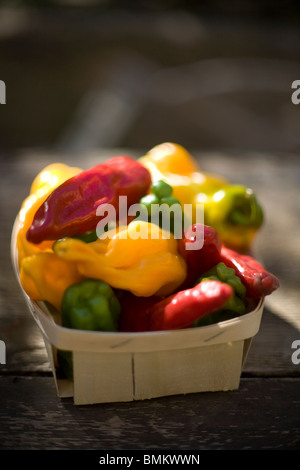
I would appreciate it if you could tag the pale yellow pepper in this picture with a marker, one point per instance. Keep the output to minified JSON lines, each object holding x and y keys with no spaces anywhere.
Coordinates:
{"x":45,"y":276}
{"x":44,"y":183}
{"x":140,"y":258}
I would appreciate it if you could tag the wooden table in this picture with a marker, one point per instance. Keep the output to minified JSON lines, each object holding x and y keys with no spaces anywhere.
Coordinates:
{"x":263,"y":414}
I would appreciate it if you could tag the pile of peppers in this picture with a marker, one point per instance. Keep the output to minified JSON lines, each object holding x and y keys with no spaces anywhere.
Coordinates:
{"x":122,"y":282}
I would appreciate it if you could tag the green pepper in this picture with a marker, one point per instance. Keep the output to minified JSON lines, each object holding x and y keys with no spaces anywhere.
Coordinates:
{"x":87,"y":237}
{"x":235,"y":214}
{"x":90,"y":304}
{"x":161,"y":194}
{"x":235,"y":305}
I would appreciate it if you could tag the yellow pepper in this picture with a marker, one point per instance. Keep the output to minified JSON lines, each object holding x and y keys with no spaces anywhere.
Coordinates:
{"x":232,"y":210}
{"x":140,"y":258}
{"x":45,"y":276}
{"x":48,"y":179}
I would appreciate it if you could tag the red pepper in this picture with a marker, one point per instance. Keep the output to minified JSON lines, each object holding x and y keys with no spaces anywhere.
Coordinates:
{"x":71,"y":208}
{"x":256,"y":279}
{"x":199,"y":260}
{"x":182,"y":309}
{"x":134,"y":315}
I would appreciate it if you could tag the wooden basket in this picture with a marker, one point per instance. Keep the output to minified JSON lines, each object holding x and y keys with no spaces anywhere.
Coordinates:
{"x":121,"y":367}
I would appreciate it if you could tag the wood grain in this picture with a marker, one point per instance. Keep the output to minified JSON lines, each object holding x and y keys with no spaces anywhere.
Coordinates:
{"x":257,"y":416}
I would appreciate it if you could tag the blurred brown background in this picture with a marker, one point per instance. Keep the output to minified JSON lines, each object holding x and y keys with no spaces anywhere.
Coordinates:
{"x":208,"y":75}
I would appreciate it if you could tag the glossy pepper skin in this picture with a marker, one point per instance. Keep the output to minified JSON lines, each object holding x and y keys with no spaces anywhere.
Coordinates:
{"x":43,"y":184}
{"x":182,"y":309}
{"x":173,"y":164}
{"x":235,"y":305}
{"x":87,"y":237}
{"x":199,"y":260}
{"x":235,"y":213}
{"x":71,"y":208}
{"x":134,"y":316}
{"x":159,"y":199}
{"x":139,"y":258}
{"x":44,"y":276}
{"x":257,"y":280}
{"x":90,"y":305}
{"x":233,"y":210}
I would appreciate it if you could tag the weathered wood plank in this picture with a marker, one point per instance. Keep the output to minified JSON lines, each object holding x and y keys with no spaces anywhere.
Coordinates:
{"x":262,"y":414}
{"x":271,"y":349}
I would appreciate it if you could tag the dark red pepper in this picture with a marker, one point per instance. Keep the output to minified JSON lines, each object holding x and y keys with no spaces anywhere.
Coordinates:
{"x":254,"y":276}
{"x":71,"y":208}
{"x":182,"y":309}
{"x":199,"y":260}
{"x":134,"y":315}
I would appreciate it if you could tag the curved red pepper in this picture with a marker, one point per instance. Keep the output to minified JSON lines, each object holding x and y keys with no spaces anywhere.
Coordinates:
{"x":254,"y":276}
{"x":182,"y":309}
{"x":71,"y":208}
